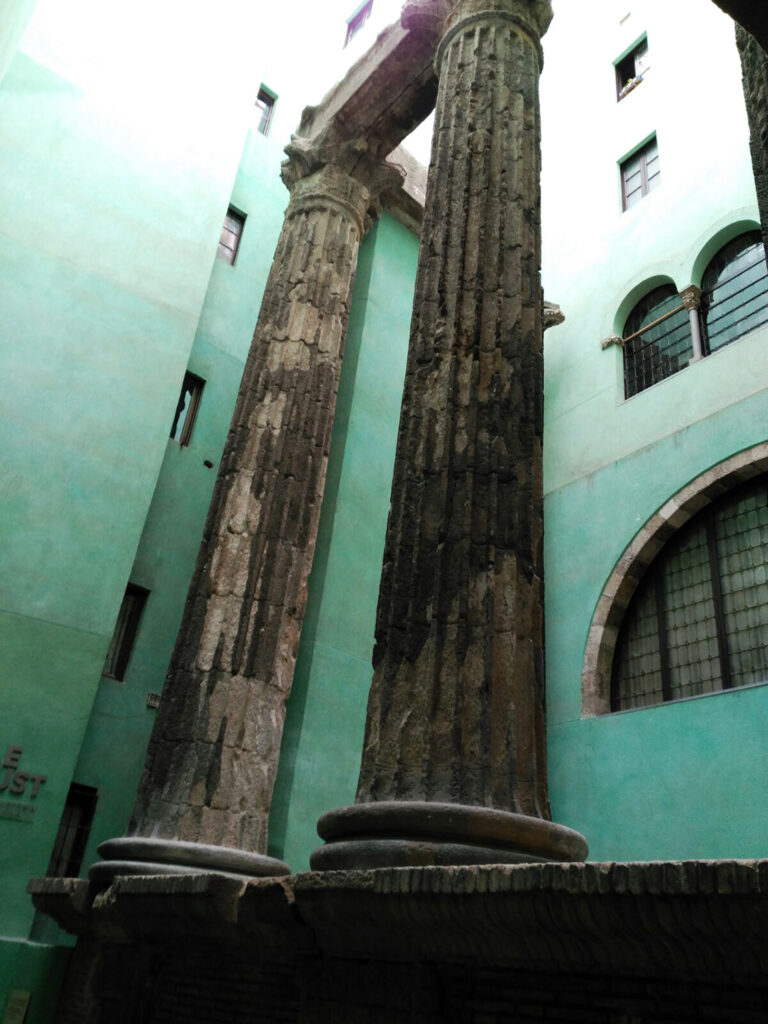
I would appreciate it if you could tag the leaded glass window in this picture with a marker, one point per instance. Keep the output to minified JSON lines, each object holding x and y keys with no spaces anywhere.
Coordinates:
{"x":698,"y":622}
{"x":735,"y":291}
{"x":658,"y":340}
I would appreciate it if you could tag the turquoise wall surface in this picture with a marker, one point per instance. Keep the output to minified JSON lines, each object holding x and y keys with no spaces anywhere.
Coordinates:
{"x":112,"y":209}
{"x":684,"y":779}
{"x":323,"y":737}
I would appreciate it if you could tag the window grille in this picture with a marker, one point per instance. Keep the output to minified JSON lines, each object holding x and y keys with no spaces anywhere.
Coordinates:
{"x":657,"y":340}
{"x":124,"y":635}
{"x":735,"y":291}
{"x":698,"y":622}
{"x":74,"y":829}
{"x":231,"y":233}
{"x":187,"y":408}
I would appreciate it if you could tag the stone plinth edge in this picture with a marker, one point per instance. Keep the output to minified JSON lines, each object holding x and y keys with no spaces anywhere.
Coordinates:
{"x":420,"y":833}
{"x":138,"y":855}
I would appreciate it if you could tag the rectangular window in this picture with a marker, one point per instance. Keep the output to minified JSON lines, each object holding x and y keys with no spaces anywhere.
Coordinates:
{"x":265,"y":105}
{"x":126,"y":627}
{"x":358,"y":19}
{"x":74,"y":829}
{"x":630,"y":70}
{"x":231,"y":233}
{"x":186,"y":409}
{"x":639,"y":174}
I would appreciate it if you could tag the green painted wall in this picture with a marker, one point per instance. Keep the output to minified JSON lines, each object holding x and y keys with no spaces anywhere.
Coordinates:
{"x":323,"y":735}
{"x":685,"y":779}
{"x":113,"y":194}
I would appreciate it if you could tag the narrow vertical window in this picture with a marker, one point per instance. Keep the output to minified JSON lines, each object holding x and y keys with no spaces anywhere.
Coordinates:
{"x":631,"y":70}
{"x":186,"y":408}
{"x":126,"y":627}
{"x":358,"y":18}
{"x":74,"y":829}
{"x":231,"y":233}
{"x":265,"y":105}
{"x":639,"y":174}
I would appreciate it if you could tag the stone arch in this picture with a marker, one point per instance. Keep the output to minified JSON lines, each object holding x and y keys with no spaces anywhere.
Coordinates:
{"x":638,"y":555}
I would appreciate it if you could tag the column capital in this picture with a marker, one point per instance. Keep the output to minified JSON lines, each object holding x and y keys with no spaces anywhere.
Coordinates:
{"x":691,"y":297}
{"x":532,"y":16}
{"x":346,"y":175}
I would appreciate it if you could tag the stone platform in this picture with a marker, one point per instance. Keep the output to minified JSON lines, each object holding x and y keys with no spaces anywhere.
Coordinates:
{"x":604,"y":943}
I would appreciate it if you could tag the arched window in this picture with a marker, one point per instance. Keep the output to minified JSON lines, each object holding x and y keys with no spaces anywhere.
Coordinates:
{"x":735,"y":291}
{"x":698,"y":622}
{"x":657,"y":339}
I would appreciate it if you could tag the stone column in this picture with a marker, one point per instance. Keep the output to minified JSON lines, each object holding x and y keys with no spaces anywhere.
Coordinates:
{"x":453,"y":767}
{"x":205,"y":794}
{"x":754,"y":67}
{"x":691,"y":299}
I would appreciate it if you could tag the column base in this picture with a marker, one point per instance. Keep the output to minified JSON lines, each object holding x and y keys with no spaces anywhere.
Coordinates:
{"x":419,"y":833}
{"x":138,"y":855}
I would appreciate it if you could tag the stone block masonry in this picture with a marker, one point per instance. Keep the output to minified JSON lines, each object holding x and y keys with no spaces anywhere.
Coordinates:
{"x":590,"y":943}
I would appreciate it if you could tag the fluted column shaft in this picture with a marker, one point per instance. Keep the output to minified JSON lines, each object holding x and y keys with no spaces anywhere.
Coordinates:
{"x":456,"y":708}
{"x":213,"y":754}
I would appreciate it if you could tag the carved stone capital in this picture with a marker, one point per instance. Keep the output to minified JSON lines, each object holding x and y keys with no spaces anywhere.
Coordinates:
{"x":532,"y":16}
{"x":348,"y":176}
{"x":429,"y":15}
{"x":552,"y":315}
{"x":691,"y":297}
{"x":614,"y":339}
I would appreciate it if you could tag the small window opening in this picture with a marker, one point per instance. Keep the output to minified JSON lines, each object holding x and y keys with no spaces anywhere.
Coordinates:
{"x":186,"y":408}
{"x":358,"y":19}
{"x":265,"y":104}
{"x":74,"y":829}
{"x":231,"y":233}
{"x":126,"y":628}
{"x":631,"y":70}
{"x":639,"y":174}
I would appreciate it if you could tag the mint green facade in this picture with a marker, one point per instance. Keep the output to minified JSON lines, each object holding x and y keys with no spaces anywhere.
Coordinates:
{"x":681,"y":780}
{"x":110,"y":289}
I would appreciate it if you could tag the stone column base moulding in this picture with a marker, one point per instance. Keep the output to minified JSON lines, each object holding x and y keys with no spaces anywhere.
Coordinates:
{"x":420,"y":833}
{"x":137,"y":855}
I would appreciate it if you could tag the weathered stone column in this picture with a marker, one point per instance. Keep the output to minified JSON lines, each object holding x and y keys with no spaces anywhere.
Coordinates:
{"x":206,"y":790}
{"x":453,"y":767}
{"x":754,"y":67}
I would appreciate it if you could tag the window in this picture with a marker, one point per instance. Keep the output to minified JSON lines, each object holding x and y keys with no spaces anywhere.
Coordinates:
{"x":265,"y":105}
{"x":74,"y":828}
{"x":657,"y":339}
{"x":639,"y":174}
{"x":631,"y":69}
{"x":123,"y":638}
{"x":358,"y":19}
{"x":735,"y":291}
{"x":698,"y":622}
{"x":186,"y":408}
{"x":231,"y":233}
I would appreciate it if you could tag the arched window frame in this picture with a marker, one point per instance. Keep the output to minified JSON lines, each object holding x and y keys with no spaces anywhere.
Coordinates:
{"x":692,"y":301}
{"x":625,"y":577}
{"x":734,"y":304}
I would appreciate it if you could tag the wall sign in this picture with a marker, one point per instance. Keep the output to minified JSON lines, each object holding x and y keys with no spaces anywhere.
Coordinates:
{"x":17,"y":783}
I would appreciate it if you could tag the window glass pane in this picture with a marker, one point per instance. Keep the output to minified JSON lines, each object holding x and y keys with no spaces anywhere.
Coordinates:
{"x":742,"y":548}
{"x":637,"y":664}
{"x":735,"y":287}
{"x":689,"y":613}
{"x":703,"y":618}
{"x":657,"y":351}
